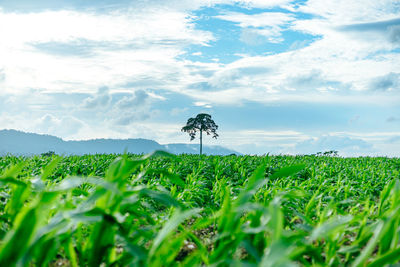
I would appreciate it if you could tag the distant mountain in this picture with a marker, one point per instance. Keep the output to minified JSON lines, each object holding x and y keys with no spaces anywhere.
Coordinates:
{"x":194,"y":149}
{"x":21,"y":143}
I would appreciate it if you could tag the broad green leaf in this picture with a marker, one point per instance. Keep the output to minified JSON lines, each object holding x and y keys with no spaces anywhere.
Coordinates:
{"x":48,"y":170}
{"x":366,"y":252}
{"x":287,"y":171}
{"x":390,"y":257}
{"x":177,"y":218}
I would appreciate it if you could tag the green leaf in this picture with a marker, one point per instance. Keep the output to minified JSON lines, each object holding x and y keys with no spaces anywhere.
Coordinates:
{"x":48,"y":170}
{"x":366,"y":252}
{"x":74,"y":182}
{"x":329,"y":227}
{"x":13,"y":171}
{"x":161,"y":197}
{"x":177,"y":218}
{"x":287,"y":171}
{"x":11,"y":180}
{"x":121,"y":168}
{"x":18,"y":239}
{"x":276,"y":221}
{"x":390,"y":257}
{"x":173,"y":178}
{"x":255,"y":182}
{"x":278,"y":255}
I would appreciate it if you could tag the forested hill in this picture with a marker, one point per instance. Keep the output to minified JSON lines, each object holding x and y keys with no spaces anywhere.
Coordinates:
{"x":21,"y":143}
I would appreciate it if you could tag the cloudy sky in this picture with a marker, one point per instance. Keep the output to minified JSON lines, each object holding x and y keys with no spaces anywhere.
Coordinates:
{"x":277,"y":76}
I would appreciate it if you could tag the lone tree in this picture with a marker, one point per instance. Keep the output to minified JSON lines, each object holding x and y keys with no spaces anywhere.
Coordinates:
{"x":202,"y":123}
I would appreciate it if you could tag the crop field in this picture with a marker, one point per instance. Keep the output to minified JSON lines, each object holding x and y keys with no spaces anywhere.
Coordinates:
{"x":190,"y":210}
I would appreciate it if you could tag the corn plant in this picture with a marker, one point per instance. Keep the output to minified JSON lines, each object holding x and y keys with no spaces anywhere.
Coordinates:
{"x":190,"y":210}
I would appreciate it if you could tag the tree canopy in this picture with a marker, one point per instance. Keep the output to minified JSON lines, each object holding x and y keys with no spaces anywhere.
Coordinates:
{"x":202,"y":123}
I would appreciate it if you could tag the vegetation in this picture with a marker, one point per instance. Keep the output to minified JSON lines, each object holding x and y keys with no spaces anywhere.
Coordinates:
{"x":165,"y":210}
{"x":202,"y":123}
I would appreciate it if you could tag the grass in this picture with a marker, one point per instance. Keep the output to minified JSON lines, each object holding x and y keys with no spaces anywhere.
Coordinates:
{"x":188,"y":210}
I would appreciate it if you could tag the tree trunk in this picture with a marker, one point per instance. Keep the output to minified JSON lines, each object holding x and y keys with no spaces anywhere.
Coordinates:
{"x":201,"y":141}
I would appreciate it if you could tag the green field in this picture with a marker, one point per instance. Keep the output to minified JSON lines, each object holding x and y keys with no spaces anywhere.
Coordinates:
{"x":188,"y":210}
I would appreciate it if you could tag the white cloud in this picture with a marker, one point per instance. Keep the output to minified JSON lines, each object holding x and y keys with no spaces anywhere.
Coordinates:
{"x":65,"y":126}
{"x":389,"y":82}
{"x":343,"y":144}
{"x":36,"y":47}
{"x":139,"y":51}
{"x":157,"y":26}
{"x":101,"y":99}
{"x":344,"y":11}
{"x":295,"y":142}
{"x":202,"y":104}
{"x":256,"y":141}
{"x":259,"y":20}
{"x":197,"y":4}
{"x":267,"y":24}
{"x":358,"y":28}
{"x":62,"y":126}
{"x":141,"y":48}
{"x":367,"y":136}
{"x":2,"y":75}
{"x":262,"y":136}
{"x":341,"y":66}
{"x":139,"y":98}
{"x":132,"y":109}
{"x":263,"y":3}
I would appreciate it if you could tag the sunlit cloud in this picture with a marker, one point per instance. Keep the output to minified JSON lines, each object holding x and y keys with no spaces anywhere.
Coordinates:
{"x":140,"y":69}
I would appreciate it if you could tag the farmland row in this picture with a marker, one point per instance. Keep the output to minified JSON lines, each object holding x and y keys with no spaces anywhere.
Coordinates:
{"x":184,"y":210}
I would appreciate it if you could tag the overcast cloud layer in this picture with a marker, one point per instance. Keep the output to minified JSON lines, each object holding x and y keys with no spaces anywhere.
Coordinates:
{"x":277,"y":76}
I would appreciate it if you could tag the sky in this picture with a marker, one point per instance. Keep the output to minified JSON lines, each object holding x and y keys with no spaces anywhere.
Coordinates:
{"x":277,"y":76}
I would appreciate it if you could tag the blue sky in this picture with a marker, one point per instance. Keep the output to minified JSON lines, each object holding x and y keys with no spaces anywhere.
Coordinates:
{"x":277,"y":76}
